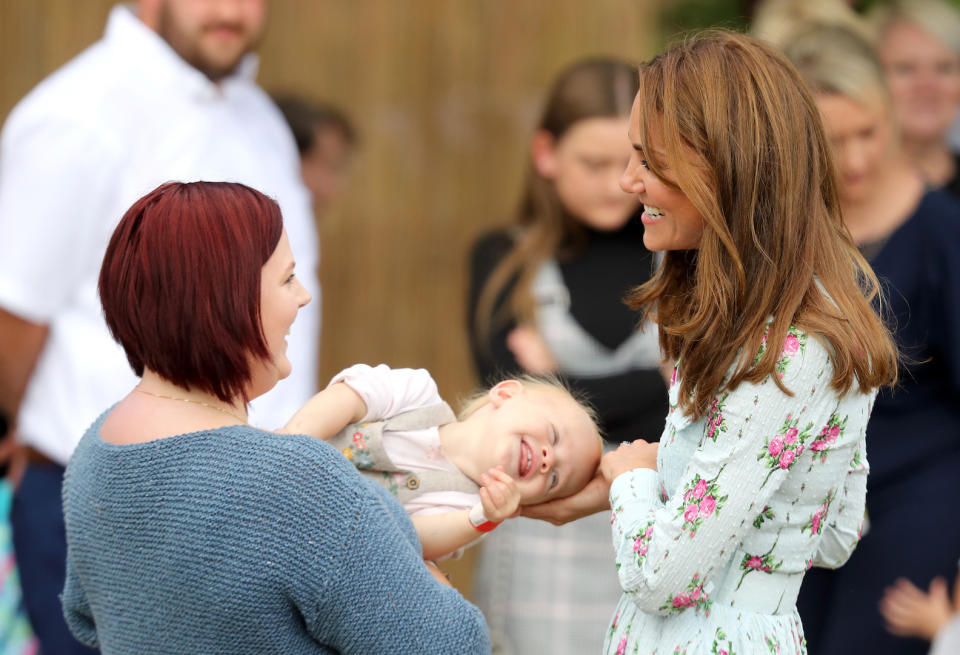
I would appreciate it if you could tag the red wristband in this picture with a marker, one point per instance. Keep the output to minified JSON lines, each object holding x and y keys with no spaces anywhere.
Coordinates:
{"x":479,"y":521}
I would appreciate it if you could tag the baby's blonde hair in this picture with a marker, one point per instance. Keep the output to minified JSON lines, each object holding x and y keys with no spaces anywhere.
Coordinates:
{"x":481,"y":397}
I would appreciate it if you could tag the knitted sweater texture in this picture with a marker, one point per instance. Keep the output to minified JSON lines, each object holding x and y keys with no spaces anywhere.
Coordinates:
{"x":237,"y":540}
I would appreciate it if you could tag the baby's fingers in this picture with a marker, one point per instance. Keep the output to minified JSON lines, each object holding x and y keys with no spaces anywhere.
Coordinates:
{"x":500,"y":475}
{"x":497,"y":491}
{"x":492,"y":508}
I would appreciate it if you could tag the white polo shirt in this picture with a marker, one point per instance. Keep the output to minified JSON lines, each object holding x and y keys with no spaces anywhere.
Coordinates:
{"x":124,"y":116}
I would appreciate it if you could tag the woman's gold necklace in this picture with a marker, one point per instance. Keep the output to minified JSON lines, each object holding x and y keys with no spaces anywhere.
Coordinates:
{"x":242,"y":419}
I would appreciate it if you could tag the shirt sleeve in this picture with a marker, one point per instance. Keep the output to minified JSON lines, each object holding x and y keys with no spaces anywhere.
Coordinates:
{"x":388,"y":392}
{"x":57,"y":188}
{"x":76,"y":610}
{"x":668,"y":548}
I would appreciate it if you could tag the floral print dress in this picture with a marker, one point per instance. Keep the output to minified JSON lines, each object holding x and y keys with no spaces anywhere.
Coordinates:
{"x":711,"y":548}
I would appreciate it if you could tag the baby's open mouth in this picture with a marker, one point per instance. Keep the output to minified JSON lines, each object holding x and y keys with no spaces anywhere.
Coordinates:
{"x":526,"y":459}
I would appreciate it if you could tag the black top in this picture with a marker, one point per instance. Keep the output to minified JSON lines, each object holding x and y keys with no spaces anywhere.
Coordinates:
{"x":630,"y":405}
{"x":918,"y":423}
{"x":953,"y":184}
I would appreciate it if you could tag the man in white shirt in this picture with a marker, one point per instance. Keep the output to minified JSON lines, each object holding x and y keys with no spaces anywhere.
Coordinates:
{"x":167,"y":94}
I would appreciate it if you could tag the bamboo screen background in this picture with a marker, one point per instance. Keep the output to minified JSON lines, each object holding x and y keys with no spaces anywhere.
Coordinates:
{"x":444,"y":94}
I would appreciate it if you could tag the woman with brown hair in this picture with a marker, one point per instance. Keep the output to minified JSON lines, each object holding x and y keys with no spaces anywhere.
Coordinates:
{"x":764,"y":302}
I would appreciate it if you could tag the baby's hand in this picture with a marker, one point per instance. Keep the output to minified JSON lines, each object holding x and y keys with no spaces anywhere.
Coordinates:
{"x":499,"y":495}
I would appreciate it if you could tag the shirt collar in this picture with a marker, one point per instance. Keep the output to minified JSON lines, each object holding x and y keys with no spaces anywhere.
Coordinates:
{"x":162,"y":65}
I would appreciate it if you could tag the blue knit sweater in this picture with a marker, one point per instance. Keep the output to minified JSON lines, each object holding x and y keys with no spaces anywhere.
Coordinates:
{"x":238,"y":540}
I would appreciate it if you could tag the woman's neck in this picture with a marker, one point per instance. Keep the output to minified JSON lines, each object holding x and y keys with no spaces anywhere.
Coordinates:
{"x":153,"y":384}
{"x":933,"y":158}
{"x":887,"y":206}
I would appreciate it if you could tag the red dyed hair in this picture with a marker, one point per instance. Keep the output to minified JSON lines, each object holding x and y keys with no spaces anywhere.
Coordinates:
{"x":180,"y":283}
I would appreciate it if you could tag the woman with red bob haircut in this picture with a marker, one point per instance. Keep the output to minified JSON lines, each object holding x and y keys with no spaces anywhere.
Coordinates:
{"x":192,"y":315}
{"x":190,"y":531}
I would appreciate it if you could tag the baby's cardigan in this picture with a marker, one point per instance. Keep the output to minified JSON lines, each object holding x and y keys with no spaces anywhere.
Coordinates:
{"x":237,"y":540}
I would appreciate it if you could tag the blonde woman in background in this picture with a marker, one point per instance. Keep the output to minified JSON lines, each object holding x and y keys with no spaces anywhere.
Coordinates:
{"x":919,"y":46}
{"x":775,"y":21}
{"x":910,"y":233}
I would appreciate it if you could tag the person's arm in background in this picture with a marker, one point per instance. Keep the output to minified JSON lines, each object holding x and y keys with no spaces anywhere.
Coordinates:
{"x":51,"y":219}
{"x":22,"y":341}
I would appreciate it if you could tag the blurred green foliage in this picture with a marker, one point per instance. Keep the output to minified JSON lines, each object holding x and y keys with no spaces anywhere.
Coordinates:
{"x":679,"y":16}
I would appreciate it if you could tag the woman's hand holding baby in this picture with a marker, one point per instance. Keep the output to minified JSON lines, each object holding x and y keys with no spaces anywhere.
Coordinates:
{"x":591,"y":499}
{"x":499,"y":495}
{"x":635,"y":455}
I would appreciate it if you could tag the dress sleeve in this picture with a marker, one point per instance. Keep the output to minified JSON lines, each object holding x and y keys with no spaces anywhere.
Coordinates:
{"x":384,"y":600}
{"x":667,"y":549}
{"x":76,"y":610}
{"x":842,"y":534}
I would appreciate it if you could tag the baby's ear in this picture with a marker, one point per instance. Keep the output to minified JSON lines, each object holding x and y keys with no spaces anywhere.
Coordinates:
{"x":502,"y":391}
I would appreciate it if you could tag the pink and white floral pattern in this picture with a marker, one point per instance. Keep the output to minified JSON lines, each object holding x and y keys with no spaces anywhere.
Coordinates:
{"x":701,"y":500}
{"x":827,"y":437}
{"x":765,"y":563}
{"x":815,"y":523}
{"x":715,"y":421}
{"x":731,"y":511}
{"x":693,"y":597}
{"x":782,"y":450}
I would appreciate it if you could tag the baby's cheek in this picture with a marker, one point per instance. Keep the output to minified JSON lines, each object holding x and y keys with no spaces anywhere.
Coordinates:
{"x":534,"y":495}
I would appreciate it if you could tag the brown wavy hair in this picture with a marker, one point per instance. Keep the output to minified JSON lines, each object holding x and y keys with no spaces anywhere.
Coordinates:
{"x":774,"y":243}
{"x":592,"y":88}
